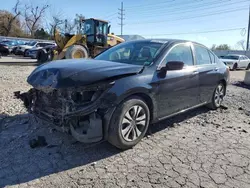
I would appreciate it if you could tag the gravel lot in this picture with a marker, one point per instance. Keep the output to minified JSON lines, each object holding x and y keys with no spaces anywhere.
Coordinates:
{"x":200,"y":148}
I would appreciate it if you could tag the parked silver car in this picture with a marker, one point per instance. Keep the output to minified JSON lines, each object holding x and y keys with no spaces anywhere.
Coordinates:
{"x":234,"y":61}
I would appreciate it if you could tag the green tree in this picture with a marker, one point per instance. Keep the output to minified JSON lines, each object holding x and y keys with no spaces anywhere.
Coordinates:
{"x":33,"y":16}
{"x":221,"y":47}
{"x":10,"y":24}
{"x":41,"y":34}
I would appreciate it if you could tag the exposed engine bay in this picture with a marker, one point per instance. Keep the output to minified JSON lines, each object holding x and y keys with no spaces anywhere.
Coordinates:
{"x":78,"y":111}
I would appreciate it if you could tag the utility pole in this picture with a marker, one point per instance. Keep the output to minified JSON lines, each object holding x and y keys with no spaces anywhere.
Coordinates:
{"x":248,"y":30}
{"x":121,"y":17}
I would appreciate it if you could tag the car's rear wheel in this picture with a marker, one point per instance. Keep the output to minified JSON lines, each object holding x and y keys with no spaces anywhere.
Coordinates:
{"x":218,"y":96}
{"x":248,"y":67}
{"x":129,"y":123}
{"x":235,"y":66}
{"x":25,"y":53}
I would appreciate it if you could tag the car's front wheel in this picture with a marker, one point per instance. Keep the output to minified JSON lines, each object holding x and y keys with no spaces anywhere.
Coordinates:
{"x":129,"y":123}
{"x":218,"y":96}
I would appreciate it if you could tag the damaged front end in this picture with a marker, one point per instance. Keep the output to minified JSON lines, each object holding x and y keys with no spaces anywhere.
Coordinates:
{"x":78,"y":111}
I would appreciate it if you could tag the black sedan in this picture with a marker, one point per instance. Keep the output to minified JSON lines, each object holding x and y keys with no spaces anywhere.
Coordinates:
{"x":124,"y":89}
{"x":4,"y":49}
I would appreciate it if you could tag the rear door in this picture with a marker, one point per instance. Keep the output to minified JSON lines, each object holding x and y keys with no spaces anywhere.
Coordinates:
{"x":245,"y":61}
{"x":208,"y":72}
{"x":242,"y":62}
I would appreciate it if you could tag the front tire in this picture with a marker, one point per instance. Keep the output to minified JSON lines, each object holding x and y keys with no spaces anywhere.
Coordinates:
{"x":129,"y":123}
{"x":218,"y":96}
{"x":76,"y":51}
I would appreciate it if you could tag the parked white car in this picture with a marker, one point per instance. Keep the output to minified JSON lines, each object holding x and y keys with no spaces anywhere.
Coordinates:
{"x":22,"y":49}
{"x":234,"y":61}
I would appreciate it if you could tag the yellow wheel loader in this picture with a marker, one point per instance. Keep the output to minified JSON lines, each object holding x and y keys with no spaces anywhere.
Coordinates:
{"x":94,"y":39}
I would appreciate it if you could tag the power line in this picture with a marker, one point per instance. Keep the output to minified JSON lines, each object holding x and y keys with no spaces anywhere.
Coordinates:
{"x":121,"y":13}
{"x":191,"y":8}
{"x":196,"y":32}
{"x":186,"y":18}
{"x":173,"y":23}
{"x":177,"y":5}
{"x":110,"y":15}
{"x":162,"y":2}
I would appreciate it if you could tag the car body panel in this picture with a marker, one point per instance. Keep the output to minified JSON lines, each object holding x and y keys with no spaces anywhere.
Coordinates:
{"x":242,"y":62}
{"x":166,"y":92}
{"x":177,"y":90}
{"x":75,"y":73}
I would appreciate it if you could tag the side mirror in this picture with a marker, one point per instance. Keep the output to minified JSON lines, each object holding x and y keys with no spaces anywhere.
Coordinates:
{"x":174,"y":65}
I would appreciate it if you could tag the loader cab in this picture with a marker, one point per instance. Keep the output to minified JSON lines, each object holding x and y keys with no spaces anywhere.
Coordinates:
{"x":96,"y":31}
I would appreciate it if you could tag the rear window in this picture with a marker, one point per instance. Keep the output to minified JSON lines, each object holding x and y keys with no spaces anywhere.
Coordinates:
{"x":212,"y":56}
{"x":234,"y":57}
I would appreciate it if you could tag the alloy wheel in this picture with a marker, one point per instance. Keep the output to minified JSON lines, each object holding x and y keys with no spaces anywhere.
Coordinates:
{"x":133,"y":123}
{"x":219,"y":95}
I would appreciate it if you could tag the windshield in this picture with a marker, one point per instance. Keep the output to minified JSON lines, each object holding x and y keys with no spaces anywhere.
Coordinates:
{"x":137,"y":53}
{"x":12,"y":43}
{"x":234,"y":57}
{"x":31,"y":43}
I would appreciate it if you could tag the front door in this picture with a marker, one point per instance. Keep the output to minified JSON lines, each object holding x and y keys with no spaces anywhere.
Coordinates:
{"x":178,"y":89}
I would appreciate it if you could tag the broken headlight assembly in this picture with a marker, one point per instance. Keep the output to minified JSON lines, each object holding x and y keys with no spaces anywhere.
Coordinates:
{"x":73,"y":110}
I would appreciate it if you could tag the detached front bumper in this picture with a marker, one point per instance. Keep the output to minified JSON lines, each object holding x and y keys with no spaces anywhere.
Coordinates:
{"x":76,"y":112}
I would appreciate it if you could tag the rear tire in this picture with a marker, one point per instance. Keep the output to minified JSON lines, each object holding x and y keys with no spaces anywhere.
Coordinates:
{"x":76,"y":51}
{"x":217,"y":97}
{"x":235,"y":66}
{"x":129,"y":123}
{"x":24,"y":53}
{"x":248,"y":67}
{"x":42,"y":56}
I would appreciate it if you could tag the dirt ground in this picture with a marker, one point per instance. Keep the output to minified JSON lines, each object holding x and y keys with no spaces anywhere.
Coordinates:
{"x":201,"y":148}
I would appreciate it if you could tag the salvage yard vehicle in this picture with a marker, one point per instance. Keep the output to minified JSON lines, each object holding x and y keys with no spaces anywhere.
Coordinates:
{"x":116,"y":95}
{"x":22,"y":49}
{"x":35,"y":52}
{"x":90,"y":41}
{"x":4,"y":49}
{"x":234,"y":61}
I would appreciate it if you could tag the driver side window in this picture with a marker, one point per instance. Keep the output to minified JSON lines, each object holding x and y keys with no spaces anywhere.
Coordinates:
{"x":181,"y":52}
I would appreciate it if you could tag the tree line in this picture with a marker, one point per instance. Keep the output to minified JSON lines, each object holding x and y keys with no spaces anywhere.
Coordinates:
{"x":26,"y":20}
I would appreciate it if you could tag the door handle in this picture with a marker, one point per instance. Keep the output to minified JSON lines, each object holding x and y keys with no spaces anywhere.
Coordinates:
{"x":216,"y":69}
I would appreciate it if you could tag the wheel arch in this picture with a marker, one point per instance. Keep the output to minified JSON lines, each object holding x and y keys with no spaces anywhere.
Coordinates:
{"x":147,"y":99}
{"x":223,"y":81}
{"x":144,"y":96}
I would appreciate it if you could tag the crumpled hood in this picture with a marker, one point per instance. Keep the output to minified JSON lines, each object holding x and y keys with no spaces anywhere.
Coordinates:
{"x":78,"y":72}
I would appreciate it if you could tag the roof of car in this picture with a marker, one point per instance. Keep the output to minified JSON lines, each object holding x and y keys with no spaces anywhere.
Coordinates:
{"x":234,"y":55}
{"x":166,"y":41}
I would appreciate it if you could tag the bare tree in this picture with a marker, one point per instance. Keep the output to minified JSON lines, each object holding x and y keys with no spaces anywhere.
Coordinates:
{"x":10,"y":18}
{"x":242,"y":44}
{"x":32,"y":16}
